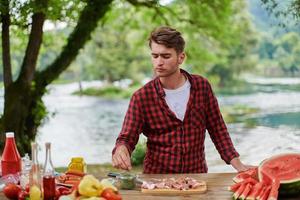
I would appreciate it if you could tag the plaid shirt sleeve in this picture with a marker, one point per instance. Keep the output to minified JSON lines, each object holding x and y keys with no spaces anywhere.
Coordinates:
{"x":132,"y":126}
{"x":217,"y":128}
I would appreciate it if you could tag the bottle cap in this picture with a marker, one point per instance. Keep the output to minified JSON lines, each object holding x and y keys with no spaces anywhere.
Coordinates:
{"x":48,"y":144}
{"x":33,"y":145}
{"x":10,"y":134}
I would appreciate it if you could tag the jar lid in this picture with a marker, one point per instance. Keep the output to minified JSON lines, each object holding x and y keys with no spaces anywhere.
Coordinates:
{"x":126,"y":176}
{"x":10,"y":134}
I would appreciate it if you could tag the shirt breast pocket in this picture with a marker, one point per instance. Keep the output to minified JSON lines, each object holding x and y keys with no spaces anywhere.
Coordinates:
{"x":198,"y":116}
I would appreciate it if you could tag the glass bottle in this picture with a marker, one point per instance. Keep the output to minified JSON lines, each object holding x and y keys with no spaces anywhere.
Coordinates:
{"x":35,"y":175}
{"x":26,"y":167}
{"x":48,"y":176}
{"x":11,"y":159}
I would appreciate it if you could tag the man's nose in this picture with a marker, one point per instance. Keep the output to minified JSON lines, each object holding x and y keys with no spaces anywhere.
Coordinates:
{"x":160,"y":60}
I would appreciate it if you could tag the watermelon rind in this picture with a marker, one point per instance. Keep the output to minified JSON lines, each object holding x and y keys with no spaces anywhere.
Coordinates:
{"x":290,"y":188}
{"x":287,"y":187}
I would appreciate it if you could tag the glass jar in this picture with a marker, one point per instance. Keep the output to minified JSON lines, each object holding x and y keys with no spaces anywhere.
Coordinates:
{"x":125,"y":181}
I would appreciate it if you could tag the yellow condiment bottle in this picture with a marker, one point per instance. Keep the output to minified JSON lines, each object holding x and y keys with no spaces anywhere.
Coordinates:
{"x":77,"y":164}
{"x":35,"y":193}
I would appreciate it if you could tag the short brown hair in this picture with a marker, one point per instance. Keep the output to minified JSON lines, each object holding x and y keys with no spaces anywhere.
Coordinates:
{"x":169,"y":37}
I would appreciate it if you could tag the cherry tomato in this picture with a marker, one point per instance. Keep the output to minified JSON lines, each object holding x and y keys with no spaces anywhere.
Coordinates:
{"x":12,"y":190}
{"x":110,"y":194}
{"x":23,"y":195}
{"x":64,"y":190}
{"x":27,"y":188}
{"x":57,"y":193}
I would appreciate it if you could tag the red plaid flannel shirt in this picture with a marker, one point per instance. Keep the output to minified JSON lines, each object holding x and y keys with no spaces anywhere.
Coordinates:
{"x":175,"y":146}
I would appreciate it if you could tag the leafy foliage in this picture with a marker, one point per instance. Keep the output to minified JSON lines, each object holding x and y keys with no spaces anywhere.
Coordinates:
{"x":283,"y":9}
{"x":280,"y":54}
{"x":215,"y":31}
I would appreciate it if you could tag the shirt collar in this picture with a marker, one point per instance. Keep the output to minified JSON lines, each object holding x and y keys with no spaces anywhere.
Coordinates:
{"x":159,"y":88}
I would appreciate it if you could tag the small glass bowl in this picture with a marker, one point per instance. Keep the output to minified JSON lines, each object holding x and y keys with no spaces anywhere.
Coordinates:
{"x":125,"y":181}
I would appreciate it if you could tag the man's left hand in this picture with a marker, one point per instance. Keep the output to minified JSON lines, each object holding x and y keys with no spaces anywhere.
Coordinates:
{"x":239,"y":166}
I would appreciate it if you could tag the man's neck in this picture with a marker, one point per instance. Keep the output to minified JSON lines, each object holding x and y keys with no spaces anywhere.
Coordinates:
{"x":174,"y":81}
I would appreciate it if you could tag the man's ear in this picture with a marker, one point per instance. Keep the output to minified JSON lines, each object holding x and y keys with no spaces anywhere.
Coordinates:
{"x":181,"y":57}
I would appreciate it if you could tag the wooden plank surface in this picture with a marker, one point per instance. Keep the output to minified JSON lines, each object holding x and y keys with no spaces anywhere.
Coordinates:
{"x":217,"y":185}
{"x":217,"y":188}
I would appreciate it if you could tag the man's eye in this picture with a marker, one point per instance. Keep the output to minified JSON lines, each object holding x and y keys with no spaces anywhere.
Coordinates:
{"x":154,"y":56}
{"x":166,"y":56}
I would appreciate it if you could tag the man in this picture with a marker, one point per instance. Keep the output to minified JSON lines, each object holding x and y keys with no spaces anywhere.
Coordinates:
{"x":173,"y":111}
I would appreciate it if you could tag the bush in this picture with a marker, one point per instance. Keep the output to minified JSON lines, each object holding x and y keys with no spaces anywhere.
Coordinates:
{"x":110,"y":92}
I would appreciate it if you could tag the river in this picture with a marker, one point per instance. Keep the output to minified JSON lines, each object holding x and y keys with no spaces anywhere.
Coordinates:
{"x":88,"y":126}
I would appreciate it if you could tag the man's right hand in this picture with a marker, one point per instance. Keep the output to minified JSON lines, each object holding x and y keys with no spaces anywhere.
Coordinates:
{"x":121,"y":158}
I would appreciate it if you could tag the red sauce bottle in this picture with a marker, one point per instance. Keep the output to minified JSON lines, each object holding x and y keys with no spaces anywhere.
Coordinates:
{"x":48,"y":176}
{"x":11,"y":160}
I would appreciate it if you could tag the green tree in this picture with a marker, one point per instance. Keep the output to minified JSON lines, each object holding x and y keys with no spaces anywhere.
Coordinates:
{"x":23,"y":106}
{"x":266,"y":47}
{"x":237,"y":55}
{"x":283,"y":9}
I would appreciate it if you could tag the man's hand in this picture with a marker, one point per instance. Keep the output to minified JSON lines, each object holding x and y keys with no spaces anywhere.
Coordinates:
{"x":121,"y":158}
{"x":239,"y":166}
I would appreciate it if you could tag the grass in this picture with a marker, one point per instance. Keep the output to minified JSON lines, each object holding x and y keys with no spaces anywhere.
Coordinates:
{"x":109,"y":92}
{"x":237,"y":113}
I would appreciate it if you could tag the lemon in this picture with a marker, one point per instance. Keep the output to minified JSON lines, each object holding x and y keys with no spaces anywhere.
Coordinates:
{"x":35,"y":193}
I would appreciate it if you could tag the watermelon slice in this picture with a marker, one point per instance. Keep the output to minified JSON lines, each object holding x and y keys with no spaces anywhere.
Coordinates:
{"x":239,"y":192}
{"x":246,"y":174}
{"x":274,"y":190}
{"x":286,"y":169}
{"x":259,"y":196}
{"x":266,"y":193}
{"x":255,"y":191}
{"x":246,"y":191}
{"x":234,"y":187}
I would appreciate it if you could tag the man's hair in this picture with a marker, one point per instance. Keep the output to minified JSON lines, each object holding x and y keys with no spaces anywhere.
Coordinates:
{"x":169,"y":37}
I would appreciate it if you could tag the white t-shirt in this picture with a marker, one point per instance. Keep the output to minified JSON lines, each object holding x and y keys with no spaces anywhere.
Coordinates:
{"x":177,"y":99}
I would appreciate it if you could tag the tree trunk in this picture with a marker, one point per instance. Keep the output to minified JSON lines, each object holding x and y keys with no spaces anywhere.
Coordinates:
{"x":16,"y":108}
{"x":24,"y":112}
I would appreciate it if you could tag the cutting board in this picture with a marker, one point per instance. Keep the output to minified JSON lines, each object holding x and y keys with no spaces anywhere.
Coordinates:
{"x":198,"y":190}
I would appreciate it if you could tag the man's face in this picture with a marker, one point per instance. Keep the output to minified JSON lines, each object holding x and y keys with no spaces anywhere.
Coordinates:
{"x":165,"y":60}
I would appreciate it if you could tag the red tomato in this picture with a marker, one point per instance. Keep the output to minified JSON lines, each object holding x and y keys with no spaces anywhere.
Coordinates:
{"x":64,"y":190}
{"x":23,"y":195}
{"x":110,"y":194}
{"x":57,"y":193}
{"x":27,"y":188}
{"x":12,"y":190}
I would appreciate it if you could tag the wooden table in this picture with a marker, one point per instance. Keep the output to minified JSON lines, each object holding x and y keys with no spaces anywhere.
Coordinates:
{"x":217,"y":188}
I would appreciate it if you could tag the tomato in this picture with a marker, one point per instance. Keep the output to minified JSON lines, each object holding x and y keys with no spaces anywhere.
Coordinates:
{"x":110,"y":194}
{"x":12,"y":190}
{"x":57,"y":194}
{"x":64,"y":190}
{"x":27,"y":188}
{"x":23,"y":195}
